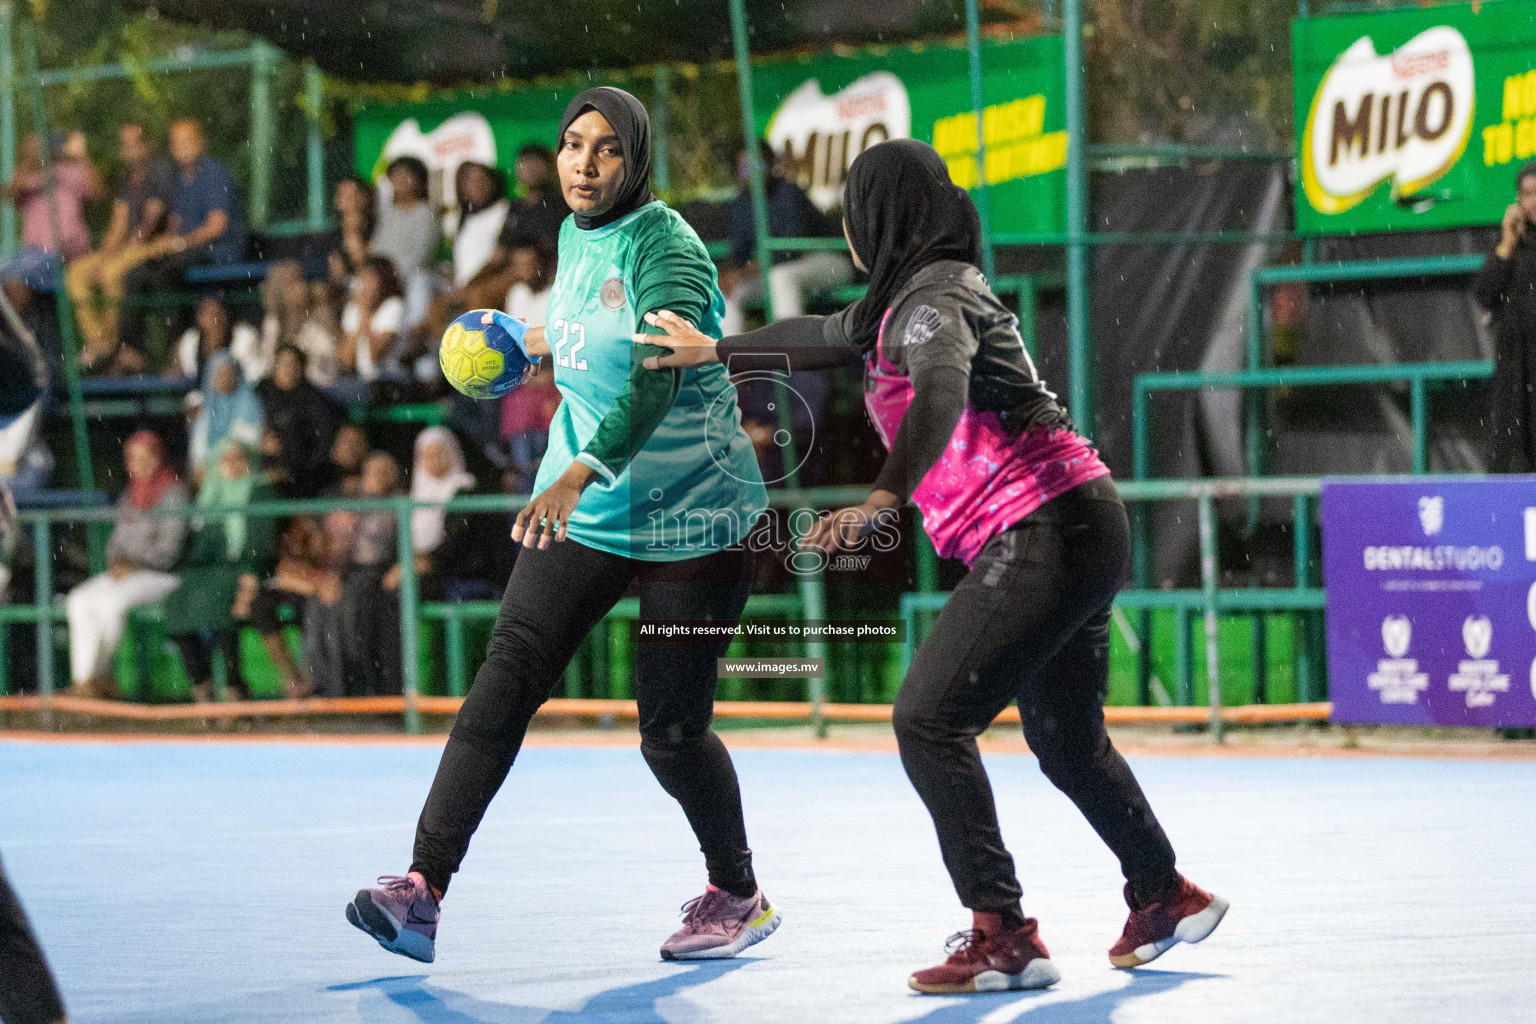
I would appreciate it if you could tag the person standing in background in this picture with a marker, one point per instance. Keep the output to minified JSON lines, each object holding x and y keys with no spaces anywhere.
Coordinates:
{"x":370,"y":587}
{"x":1506,"y":288}
{"x":301,"y":423}
{"x":214,"y":330}
{"x":139,"y":207}
{"x":299,"y":314}
{"x":371,"y":323}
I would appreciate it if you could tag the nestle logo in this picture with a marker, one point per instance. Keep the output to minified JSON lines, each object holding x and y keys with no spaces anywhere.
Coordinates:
{"x":453,"y":144}
{"x":861,"y":106}
{"x":1411,"y":65}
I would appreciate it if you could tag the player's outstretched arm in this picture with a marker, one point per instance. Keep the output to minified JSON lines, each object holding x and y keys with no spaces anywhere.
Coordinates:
{"x":690,"y":346}
{"x":804,"y":341}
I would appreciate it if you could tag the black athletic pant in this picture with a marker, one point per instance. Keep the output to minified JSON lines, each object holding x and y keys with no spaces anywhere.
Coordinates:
{"x":1029,"y":623}
{"x":370,"y":631}
{"x":27,"y":992}
{"x":553,"y":599}
{"x":198,"y":650}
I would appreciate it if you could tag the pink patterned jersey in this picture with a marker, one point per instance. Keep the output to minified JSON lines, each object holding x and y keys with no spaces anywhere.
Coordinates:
{"x":988,"y":477}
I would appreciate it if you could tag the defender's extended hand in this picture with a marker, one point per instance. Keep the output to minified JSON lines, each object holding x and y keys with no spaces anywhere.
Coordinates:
{"x":690,"y":346}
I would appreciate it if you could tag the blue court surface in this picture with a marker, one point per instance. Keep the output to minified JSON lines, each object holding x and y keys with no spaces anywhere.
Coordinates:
{"x":191,"y":882}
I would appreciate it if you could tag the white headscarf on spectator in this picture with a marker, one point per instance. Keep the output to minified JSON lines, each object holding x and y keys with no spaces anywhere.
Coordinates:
{"x":427,"y":524}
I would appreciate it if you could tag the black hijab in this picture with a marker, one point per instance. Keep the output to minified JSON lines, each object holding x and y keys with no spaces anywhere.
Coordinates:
{"x":633,"y":127}
{"x":904,"y":213}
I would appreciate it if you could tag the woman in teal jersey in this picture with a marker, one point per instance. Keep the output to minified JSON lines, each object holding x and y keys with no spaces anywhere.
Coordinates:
{"x":649,"y":478}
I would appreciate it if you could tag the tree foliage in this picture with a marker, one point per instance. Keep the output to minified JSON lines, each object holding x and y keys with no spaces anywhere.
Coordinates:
{"x":1191,"y":71}
{"x":81,"y":33}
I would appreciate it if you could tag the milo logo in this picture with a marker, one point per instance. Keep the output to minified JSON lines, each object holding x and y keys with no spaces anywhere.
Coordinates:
{"x":818,"y":136}
{"x":1405,"y":115}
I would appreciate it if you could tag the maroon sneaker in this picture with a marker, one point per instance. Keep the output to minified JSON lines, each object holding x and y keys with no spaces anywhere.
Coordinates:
{"x":990,"y":958}
{"x":1187,"y":914}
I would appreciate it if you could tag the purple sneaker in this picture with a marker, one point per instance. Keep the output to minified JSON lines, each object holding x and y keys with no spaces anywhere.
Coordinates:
{"x":402,"y":916}
{"x":717,"y":926}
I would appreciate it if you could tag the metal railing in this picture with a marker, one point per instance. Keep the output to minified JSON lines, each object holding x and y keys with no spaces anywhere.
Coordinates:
{"x":1210,"y":600}
{"x":809,"y":601}
{"x":1418,"y":376}
{"x":45,"y":607}
{"x":1342,"y":272}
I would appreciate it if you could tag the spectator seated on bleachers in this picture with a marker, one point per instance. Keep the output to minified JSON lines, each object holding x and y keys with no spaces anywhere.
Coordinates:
{"x":44,"y":206}
{"x":227,"y":557}
{"x":140,"y":211}
{"x":303,"y":567}
{"x":475,"y":230}
{"x":230,"y":409}
{"x":141,"y":554}
{"x":301,"y":423}
{"x":453,"y":555}
{"x":526,"y":413}
{"x":792,"y":276}
{"x":344,"y":475}
{"x":213,"y":331}
{"x":532,"y":221}
{"x":298,"y":313}
{"x":207,"y":226}
{"x":370,"y":346}
{"x":408,"y":233}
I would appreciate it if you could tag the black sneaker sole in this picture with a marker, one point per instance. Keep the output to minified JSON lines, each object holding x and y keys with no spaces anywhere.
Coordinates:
{"x":363,"y":914}
{"x":366,"y":916}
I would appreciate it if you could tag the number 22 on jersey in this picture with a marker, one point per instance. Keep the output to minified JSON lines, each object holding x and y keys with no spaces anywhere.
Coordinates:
{"x":574,"y":335}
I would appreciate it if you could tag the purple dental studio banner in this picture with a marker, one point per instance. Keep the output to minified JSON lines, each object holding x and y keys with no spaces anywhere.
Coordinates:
{"x":1431,"y":600}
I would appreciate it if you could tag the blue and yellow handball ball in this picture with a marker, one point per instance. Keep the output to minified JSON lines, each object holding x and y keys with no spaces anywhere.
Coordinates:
{"x":482,"y":353}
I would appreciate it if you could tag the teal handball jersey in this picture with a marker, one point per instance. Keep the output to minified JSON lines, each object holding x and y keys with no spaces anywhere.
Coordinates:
{"x":691,"y":485}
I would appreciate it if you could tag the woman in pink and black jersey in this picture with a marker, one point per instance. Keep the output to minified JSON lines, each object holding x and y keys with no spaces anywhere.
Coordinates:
{"x":1005,"y":484}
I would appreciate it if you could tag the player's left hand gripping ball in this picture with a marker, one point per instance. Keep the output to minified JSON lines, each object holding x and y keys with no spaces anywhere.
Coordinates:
{"x":482,"y":354}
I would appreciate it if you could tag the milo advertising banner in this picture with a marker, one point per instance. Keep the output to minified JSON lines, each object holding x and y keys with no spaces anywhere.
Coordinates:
{"x":448,"y":130}
{"x":820,"y":112}
{"x":1413,"y":118}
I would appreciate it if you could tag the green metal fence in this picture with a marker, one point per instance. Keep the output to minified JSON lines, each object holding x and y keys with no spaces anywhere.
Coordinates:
{"x":1418,"y":377}
{"x":808,"y":601}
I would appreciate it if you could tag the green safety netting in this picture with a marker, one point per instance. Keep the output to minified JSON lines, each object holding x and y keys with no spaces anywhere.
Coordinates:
{"x":455,"y":41}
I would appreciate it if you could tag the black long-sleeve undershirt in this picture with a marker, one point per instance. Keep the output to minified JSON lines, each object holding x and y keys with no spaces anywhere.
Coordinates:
{"x":939,"y":385}
{"x":804,"y":341}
